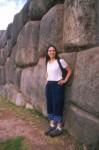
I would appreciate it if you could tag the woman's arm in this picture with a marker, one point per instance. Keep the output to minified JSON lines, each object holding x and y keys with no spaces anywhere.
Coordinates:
{"x":67,"y":76}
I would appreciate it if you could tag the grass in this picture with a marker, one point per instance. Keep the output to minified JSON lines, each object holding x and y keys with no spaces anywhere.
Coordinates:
{"x":14,"y":144}
{"x":21,"y":112}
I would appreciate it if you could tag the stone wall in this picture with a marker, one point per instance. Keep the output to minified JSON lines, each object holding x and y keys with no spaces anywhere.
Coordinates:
{"x":72,"y":26}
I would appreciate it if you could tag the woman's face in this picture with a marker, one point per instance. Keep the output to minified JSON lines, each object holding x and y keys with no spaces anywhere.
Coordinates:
{"x":51,"y":52}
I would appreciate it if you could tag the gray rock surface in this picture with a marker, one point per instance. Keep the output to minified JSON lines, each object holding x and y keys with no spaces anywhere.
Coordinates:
{"x":27,"y":53}
{"x":38,"y":8}
{"x":17,"y":77}
{"x":3,"y":39}
{"x":51,"y":29}
{"x":11,"y":66}
{"x":82,"y":125}
{"x":26,"y":84}
{"x":39,"y":82}
{"x":2,"y":75}
{"x":20,"y":19}
{"x":80,"y":18}
{"x":85,"y":88}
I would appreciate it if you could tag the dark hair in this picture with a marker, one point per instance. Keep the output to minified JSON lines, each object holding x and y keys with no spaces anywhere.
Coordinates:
{"x":47,"y":57}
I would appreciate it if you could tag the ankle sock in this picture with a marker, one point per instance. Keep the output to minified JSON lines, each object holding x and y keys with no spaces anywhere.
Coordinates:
{"x":59,"y":128}
{"x":52,"y":125}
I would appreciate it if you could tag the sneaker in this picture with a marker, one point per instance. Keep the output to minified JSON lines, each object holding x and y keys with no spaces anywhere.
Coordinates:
{"x":55,"y":132}
{"x":47,"y":132}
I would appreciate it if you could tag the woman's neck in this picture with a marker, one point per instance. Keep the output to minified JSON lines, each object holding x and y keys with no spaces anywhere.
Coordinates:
{"x":52,"y":60}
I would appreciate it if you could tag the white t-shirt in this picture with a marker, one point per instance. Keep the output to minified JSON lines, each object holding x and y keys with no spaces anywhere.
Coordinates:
{"x":54,"y":71}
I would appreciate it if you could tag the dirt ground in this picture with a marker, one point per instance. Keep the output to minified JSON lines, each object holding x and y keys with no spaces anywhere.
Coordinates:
{"x":12,"y":125}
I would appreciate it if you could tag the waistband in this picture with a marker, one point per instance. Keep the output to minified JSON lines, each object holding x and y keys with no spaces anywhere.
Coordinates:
{"x":52,"y":81}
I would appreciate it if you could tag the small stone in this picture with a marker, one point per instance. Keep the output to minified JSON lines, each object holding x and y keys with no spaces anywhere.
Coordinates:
{"x":29,"y":106}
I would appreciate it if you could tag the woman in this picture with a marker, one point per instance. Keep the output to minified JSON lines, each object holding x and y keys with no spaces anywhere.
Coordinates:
{"x":55,"y":90}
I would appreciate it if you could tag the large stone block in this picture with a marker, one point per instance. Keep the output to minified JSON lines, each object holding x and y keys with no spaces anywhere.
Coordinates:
{"x":33,"y":85}
{"x":3,"y":39}
{"x":26,"y":84}
{"x":85,"y":88}
{"x":39,"y":82}
{"x":20,"y":99}
{"x":82,"y":125}
{"x":5,"y":52}
{"x":51,"y":29}
{"x":1,"y":90}
{"x":2,"y":75}
{"x":38,"y":8}
{"x":10,"y":92}
{"x":80,"y":24}
{"x":2,"y":58}
{"x":19,"y":21}
{"x":9,"y":30}
{"x":17,"y":77}
{"x":15,"y":29}
{"x":11,"y":66}
{"x":27,"y":53}
{"x":8,"y":48}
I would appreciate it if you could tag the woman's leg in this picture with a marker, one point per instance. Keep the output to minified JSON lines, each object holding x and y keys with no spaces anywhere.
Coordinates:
{"x":59,"y":125}
{"x":48,"y":92}
{"x":58,"y":105}
{"x":58,"y":99}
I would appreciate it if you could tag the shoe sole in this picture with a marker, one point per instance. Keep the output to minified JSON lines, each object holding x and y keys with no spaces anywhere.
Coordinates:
{"x":48,"y":133}
{"x":55,"y":135}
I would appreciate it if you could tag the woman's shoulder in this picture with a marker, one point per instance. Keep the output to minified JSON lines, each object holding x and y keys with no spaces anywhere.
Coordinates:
{"x":63,"y":62}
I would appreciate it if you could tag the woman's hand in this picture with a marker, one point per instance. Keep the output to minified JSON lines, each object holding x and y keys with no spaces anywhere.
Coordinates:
{"x":61,"y":82}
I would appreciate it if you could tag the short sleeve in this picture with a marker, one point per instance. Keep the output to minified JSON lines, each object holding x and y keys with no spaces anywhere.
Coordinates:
{"x":64,"y":64}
